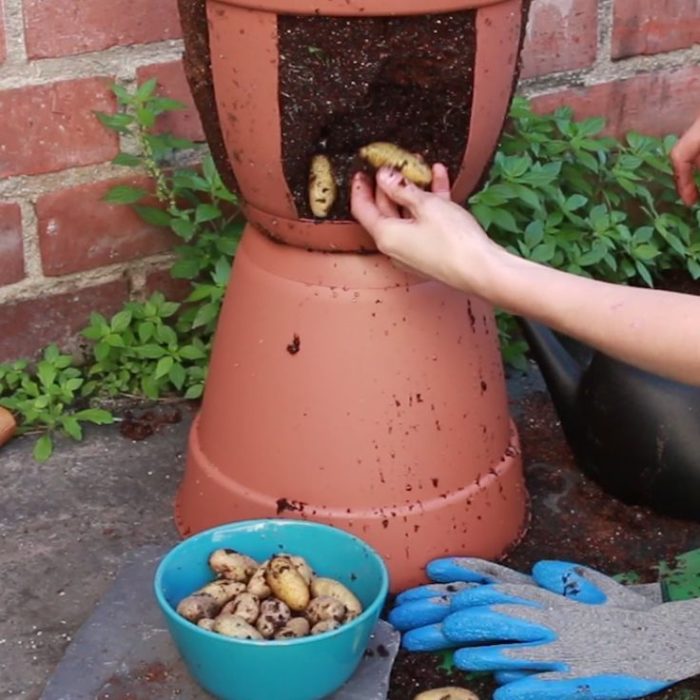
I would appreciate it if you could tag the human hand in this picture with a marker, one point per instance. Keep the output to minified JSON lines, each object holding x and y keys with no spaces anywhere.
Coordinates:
{"x":430,"y":604}
{"x":569,"y":649}
{"x":685,"y":157}
{"x":424,"y":231}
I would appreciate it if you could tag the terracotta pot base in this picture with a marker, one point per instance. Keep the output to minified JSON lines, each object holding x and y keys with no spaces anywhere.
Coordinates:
{"x":346,"y":391}
{"x":459,"y":522}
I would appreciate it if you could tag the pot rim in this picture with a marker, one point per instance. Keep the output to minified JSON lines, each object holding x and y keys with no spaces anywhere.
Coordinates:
{"x":359,"y":7}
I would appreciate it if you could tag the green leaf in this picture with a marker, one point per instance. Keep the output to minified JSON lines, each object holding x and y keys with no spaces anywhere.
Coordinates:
{"x":505,"y":220}
{"x":121,"y":321}
{"x":146,"y":89}
{"x":576,"y":201}
{"x":46,"y":373}
{"x":646,"y":251}
{"x":183,"y":228}
{"x":205,"y":315}
{"x":177,"y":376}
{"x":115,"y":122}
{"x":194,"y":392}
{"x":164,"y":366}
{"x":145,"y":331}
{"x":151,"y":352}
{"x":127,"y":159}
{"x":43,"y":448}
{"x":153,"y":215}
{"x":191,"y":352}
{"x":544,"y":252}
{"x":72,"y":428}
{"x":185,"y":269}
{"x":98,"y":416}
{"x":207,"y":212}
{"x":125,"y":194}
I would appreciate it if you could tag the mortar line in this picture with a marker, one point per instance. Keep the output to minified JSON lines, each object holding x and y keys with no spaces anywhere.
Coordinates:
{"x":121,"y":61}
{"x":30,"y":289}
{"x":33,"y":268}
{"x":15,"y":44}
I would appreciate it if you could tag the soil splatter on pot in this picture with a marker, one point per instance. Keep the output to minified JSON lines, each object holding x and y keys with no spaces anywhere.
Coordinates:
{"x":345,"y":83}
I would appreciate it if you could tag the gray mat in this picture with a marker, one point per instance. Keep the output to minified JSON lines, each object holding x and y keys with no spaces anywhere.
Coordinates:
{"x":124,"y":651}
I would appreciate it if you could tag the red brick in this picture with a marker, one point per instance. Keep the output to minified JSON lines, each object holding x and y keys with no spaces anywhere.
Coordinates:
{"x":78,"y":231}
{"x":172,"y":83}
{"x":11,"y":246}
{"x":47,"y":128}
{"x":561,"y":36}
{"x":27,"y":326}
{"x":654,"y":26}
{"x":78,"y":26}
{"x":654,"y":103}
{"x":162,"y":281}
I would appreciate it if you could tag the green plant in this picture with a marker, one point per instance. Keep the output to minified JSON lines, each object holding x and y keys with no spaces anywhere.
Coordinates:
{"x":47,"y":399}
{"x":192,"y":202}
{"x":137,"y":352}
{"x":560,"y":194}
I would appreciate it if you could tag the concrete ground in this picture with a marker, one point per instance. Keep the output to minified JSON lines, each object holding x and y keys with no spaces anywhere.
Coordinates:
{"x":66,"y":528}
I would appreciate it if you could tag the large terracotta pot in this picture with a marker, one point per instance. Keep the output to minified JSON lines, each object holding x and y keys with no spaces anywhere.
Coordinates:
{"x":341,"y":389}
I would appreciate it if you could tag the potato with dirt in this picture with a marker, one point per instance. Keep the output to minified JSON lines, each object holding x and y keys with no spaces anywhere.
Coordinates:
{"x":208,"y":600}
{"x":287,"y":583}
{"x":236,"y":627}
{"x":411,"y":165}
{"x":232,"y":565}
{"x":322,"y":586}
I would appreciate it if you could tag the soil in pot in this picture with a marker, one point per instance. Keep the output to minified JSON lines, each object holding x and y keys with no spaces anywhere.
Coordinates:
{"x":345,"y":83}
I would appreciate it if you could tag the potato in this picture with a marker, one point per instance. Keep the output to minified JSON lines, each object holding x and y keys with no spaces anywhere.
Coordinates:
{"x":274,"y":615}
{"x":302,"y":566}
{"x":296,"y":627}
{"x":287,"y":583}
{"x":244,"y":605}
{"x":323,"y":189}
{"x":325,"y":608}
{"x":206,"y":623}
{"x":234,"y":626}
{"x":208,"y":600}
{"x":325,"y":626}
{"x":330,"y":587}
{"x":451,"y":693}
{"x":411,"y":165}
{"x":257,"y":584}
{"x":232,"y":565}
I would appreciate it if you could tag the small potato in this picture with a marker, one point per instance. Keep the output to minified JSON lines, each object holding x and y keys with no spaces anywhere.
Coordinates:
{"x":234,"y":626}
{"x":287,"y":583}
{"x":302,"y":566}
{"x":208,"y":600}
{"x":330,"y":587}
{"x":274,"y":615}
{"x":257,"y":584}
{"x":206,"y":623}
{"x":451,"y":693}
{"x":245,"y":605}
{"x":325,"y":608}
{"x":296,"y":627}
{"x":232,"y":565}
{"x":323,"y":189}
{"x":325,"y":626}
{"x":411,"y":165}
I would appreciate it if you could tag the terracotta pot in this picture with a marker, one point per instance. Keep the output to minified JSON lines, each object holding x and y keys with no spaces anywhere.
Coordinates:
{"x":340,"y":389}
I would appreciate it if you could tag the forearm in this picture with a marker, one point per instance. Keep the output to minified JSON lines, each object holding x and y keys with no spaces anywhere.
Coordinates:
{"x":655,"y":330}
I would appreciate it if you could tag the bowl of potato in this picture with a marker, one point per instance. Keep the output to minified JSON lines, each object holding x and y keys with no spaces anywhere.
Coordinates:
{"x":271,"y":609}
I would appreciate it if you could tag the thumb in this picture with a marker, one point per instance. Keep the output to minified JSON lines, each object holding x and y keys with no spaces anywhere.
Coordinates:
{"x":400,"y":190}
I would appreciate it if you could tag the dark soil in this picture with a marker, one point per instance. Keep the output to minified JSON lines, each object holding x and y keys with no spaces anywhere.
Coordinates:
{"x":347,"y":82}
{"x":572,"y":518}
{"x":139,"y":425}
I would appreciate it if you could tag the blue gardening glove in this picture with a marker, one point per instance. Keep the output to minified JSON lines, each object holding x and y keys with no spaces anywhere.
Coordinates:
{"x":430,"y":604}
{"x":573,"y":650}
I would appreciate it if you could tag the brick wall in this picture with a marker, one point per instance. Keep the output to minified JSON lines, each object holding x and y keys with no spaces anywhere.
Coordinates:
{"x":64,"y":253}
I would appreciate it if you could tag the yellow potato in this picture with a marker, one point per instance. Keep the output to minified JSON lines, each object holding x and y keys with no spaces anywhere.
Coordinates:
{"x":325,"y":626}
{"x":325,"y":608}
{"x":208,"y":600}
{"x":245,"y":605}
{"x":323,"y":189}
{"x":234,"y":626}
{"x":287,"y":584}
{"x":232,"y":565}
{"x":451,"y":693}
{"x":411,"y":165}
{"x":257,"y":584}
{"x":296,"y":627}
{"x":330,"y":587}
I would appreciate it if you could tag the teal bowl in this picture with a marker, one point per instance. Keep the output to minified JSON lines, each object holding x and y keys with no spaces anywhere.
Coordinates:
{"x":309,"y":668}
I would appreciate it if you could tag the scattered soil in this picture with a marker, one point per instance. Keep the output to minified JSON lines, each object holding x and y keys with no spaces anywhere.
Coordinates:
{"x":345,"y":82}
{"x":139,"y":425}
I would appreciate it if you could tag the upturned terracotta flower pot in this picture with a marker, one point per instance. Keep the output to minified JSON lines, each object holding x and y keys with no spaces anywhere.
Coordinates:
{"x":341,"y":389}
